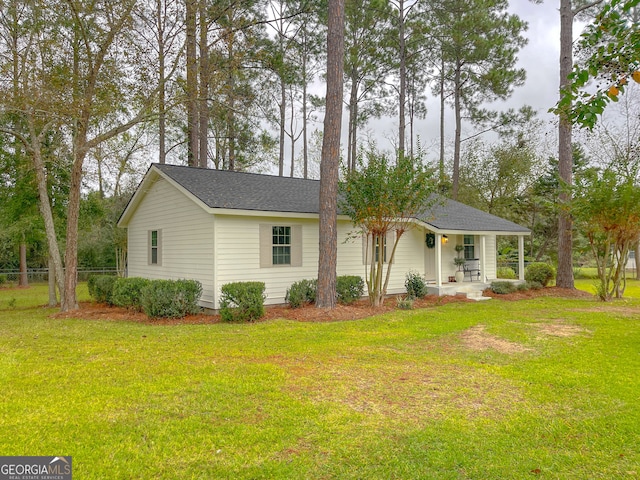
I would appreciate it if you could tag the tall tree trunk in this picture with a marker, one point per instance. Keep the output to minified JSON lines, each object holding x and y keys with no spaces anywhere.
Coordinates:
{"x":231,"y":115}
{"x":193,"y":137}
{"x":441,"y":173}
{"x":305,"y":158}
{"x":162,"y":116}
{"x":327,"y":261}
{"x":353,"y":122}
{"x":283,"y":106}
{"x":45,"y":205}
{"x":403,"y":79}
{"x":203,"y":106}
{"x":69,"y":301}
{"x":51,"y":274}
{"x":456,"y":143}
{"x":23,"y":277}
{"x":565,"y":155}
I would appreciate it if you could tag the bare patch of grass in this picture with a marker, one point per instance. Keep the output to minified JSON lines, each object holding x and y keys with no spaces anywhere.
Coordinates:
{"x":406,"y":393}
{"x":477,"y":339}
{"x":560,"y":330}
{"x":622,"y":311}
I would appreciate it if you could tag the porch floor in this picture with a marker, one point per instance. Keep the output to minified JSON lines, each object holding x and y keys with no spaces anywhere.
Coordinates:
{"x":470,"y":289}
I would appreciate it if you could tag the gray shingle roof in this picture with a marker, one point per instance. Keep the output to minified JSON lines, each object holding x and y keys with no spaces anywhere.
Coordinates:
{"x":250,"y":191}
{"x":452,"y":215}
{"x":246,"y":191}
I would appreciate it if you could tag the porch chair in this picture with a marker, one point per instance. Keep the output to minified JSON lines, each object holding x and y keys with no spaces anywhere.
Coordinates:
{"x":472,"y":268}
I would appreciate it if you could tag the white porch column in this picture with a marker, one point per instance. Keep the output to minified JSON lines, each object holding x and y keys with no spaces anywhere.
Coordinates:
{"x":438,"y":259}
{"x":521,"y":257}
{"x":483,"y":256}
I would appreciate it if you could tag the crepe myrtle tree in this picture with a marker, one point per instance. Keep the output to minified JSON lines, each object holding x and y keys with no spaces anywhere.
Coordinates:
{"x":383,"y":198}
{"x":606,"y":208}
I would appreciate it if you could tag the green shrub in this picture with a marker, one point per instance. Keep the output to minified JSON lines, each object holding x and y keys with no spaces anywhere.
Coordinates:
{"x":539,"y":272}
{"x":301,"y":293}
{"x":171,"y":298}
{"x":349,"y":288}
{"x":506,"y":272}
{"x":242,"y":301}
{"x":502,"y":288}
{"x":404,"y":303}
{"x":415,"y":285}
{"x":101,"y":288}
{"x":522,"y":287}
{"x":3,"y":279}
{"x":127,"y":292}
{"x":534,"y":285}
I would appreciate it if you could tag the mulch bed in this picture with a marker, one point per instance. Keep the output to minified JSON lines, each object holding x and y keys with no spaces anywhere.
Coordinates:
{"x":309,"y":313}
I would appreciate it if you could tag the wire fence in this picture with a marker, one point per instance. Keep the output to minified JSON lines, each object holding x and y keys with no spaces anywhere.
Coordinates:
{"x":41,"y":275}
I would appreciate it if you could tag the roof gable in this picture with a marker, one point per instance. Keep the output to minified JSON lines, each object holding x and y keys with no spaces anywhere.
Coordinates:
{"x":223,"y":189}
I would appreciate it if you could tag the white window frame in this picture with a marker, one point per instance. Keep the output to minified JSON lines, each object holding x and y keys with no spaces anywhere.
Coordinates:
{"x":469,"y":247}
{"x":157,"y":248}
{"x":268,"y":246}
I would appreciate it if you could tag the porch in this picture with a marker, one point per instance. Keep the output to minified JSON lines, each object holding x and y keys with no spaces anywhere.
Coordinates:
{"x":472,"y":290}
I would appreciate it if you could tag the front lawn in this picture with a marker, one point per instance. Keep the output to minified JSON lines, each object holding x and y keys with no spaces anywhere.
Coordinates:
{"x":546,"y":388}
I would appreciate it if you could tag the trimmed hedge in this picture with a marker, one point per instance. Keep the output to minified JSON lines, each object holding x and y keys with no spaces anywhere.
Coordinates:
{"x":101,"y":288}
{"x":171,"y":298}
{"x":540,"y":272}
{"x":503,"y":288}
{"x":349,"y":288}
{"x":242,"y":301}
{"x":127,"y":292}
{"x":301,"y":293}
{"x":534,"y":286}
{"x":506,"y":272}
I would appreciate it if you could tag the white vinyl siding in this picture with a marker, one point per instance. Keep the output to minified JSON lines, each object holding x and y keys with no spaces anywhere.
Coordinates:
{"x":368,"y":250}
{"x":490,"y":258}
{"x":186,"y":239}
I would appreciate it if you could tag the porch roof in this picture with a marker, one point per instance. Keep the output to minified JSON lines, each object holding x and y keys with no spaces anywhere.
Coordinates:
{"x":449,"y":216}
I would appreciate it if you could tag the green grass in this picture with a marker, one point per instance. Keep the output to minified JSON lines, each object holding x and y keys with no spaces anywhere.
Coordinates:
{"x":396,"y":396}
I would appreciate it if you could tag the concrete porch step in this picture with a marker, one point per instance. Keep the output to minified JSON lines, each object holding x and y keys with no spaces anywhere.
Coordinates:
{"x":475,"y":295}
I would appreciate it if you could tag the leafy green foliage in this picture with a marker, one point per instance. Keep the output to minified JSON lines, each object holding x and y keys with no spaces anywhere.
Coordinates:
{"x":606,"y":208}
{"x":349,"y":288}
{"x":301,"y":293}
{"x":101,"y":288}
{"x":383,"y":197}
{"x":127,"y":292}
{"x":171,"y":298}
{"x":503,"y":288}
{"x":3,"y":279}
{"x":506,"y":272}
{"x":533,"y":285}
{"x":539,"y":272}
{"x":415,"y":285}
{"x":610,"y":47}
{"x":242,"y":301}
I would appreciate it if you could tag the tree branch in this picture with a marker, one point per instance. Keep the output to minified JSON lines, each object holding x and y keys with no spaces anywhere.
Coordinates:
{"x":584,"y":7}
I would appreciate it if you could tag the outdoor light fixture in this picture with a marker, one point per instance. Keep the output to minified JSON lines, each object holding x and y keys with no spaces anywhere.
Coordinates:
{"x":445,"y":239}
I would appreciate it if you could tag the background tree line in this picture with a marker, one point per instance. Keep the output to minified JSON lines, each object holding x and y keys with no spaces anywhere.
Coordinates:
{"x":90,"y":91}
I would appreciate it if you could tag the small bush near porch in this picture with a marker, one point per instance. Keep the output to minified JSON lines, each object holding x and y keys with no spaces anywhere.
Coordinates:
{"x":545,"y":387}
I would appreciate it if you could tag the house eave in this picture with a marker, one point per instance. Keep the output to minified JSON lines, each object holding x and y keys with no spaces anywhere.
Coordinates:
{"x":447,"y":231}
